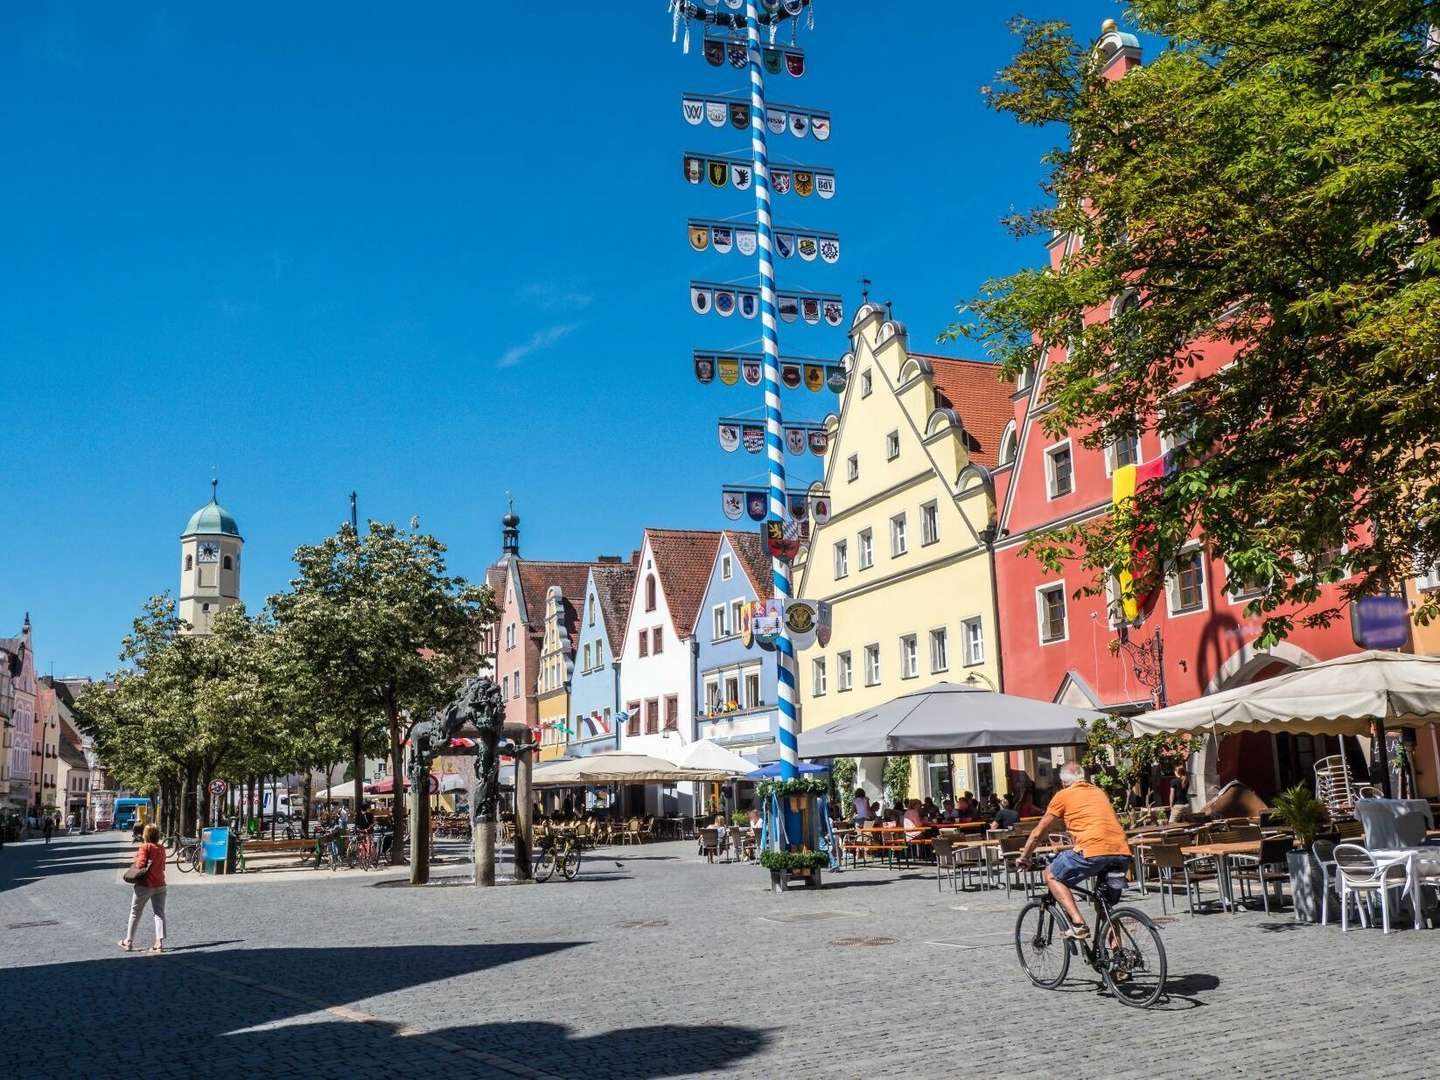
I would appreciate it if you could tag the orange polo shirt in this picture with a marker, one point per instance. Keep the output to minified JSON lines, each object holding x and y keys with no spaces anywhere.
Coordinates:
{"x":1090,"y":819}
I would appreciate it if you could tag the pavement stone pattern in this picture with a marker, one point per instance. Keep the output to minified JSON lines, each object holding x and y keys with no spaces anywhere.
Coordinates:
{"x":658,"y":964}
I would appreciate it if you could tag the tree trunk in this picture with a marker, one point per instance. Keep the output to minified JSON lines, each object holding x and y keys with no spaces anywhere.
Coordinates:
{"x":397,"y":792}
{"x":260,"y":791}
{"x":357,"y":774}
{"x":187,"y":803}
{"x":306,"y":791}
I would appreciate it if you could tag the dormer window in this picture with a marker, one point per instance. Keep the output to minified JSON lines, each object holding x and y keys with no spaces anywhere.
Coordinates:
{"x":650,"y":600}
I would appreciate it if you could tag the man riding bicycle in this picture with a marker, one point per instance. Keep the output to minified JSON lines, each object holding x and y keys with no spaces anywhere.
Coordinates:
{"x":1099,"y":846}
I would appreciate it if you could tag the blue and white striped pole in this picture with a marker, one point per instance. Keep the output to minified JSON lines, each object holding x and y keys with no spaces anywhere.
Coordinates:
{"x":774,"y":429}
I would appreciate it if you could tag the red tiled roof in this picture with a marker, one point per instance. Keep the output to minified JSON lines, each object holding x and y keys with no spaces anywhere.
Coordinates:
{"x":537,"y":577}
{"x":981,"y":400}
{"x":614,"y":586}
{"x":751,"y":552}
{"x":683,"y":558}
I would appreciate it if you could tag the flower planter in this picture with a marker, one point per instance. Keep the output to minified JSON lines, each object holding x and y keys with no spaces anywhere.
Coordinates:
{"x":1307,"y":885}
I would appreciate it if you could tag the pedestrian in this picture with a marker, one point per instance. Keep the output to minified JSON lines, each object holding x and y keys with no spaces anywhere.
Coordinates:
{"x":149,"y":889}
{"x":49,"y":827}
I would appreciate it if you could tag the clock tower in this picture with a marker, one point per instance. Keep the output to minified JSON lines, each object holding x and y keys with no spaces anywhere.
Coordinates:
{"x":209,"y":564}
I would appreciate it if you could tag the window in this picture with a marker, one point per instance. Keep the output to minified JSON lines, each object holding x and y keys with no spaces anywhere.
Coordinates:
{"x":852,"y":468}
{"x":505,"y":688}
{"x":867,"y":549}
{"x":752,"y":689}
{"x":1059,"y":470}
{"x":718,"y":629}
{"x":1050,"y":610}
{"x":712,"y":695}
{"x":867,"y":383}
{"x":672,"y":712}
{"x":972,"y":637}
{"x":1185,"y":584}
{"x":899,"y":541}
{"x":939,"y":650}
{"x":1238,"y":587}
{"x":727,"y":567}
{"x":843,"y":675}
{"x":872,"y":665}
{"x":657,"y":641}
{"x":644,"y":642}
{"x":736,"y":608}
{"x":227,"y":564}
{"x":189,"y":562}
{"x":1009,"y":444}
{"x":892,"y":446}
{"x":929,"y":523}
{"x":632,"y":718}
{"x":909,"y":657}
{"x":842,"y":560}
{"x":1428,"y":580}
{"x":590,"y":617}
{"x":510,"y":636}
{"x":732,"y":691}
{"x":586,"y":665}
{"x":599,"y":653}
{"x":650,"y":592}
{"x":817,"y":676}
{"x":1027,"y":376}
{"x":1125,"y":450}
{"x":1114,"y":602}
{"x":652,"y":716}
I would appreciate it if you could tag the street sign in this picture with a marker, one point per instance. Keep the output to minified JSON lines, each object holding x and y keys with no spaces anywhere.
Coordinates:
{"x":1380,"y":622}
{"x":217,"y":788}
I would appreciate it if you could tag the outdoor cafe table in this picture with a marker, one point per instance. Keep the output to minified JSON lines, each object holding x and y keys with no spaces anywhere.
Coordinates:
{"x":1221,"y":853}
{"x":1412,"y":859}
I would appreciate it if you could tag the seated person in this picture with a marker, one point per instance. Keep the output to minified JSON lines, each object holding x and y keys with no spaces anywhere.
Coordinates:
{"x":756,"y":819}
{"x":1235,"y":800}
{"x":1027,"y":806}
{"x":1007,"y":815}
{"x":928,"y":810}
{"x":912,"y":818}
{"x":949,"y":813}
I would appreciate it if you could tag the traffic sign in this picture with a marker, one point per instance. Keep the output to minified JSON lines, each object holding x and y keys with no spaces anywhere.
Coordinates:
{"x":217,"y":788}
{"x":1380,"y":622}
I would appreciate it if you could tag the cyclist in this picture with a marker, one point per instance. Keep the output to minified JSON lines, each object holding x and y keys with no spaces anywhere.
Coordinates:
{"x":1099,"y":846}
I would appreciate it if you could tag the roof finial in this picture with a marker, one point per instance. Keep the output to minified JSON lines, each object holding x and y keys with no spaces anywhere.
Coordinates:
{"x":1108,"y":26}
{"x":214,"y":489}
{"x":864,"y":290}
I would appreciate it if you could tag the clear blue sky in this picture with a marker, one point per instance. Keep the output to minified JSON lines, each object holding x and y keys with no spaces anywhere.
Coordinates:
{"x":430,"y":253}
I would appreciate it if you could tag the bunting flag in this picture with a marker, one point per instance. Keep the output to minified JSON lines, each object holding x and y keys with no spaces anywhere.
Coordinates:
{"x":694,"y":168}
{"x":825,"y":185}
{"x":715,"y":113}
{"x":729,"y":369}
{"x":705,"y":370}
{"x":753,"y":437}
{"x":699,"y":237}
{"x":723,"y":300}
{"x":751,"y":371}
{"x":820,"y":508}
{"x":732,"y":367}
{"x":722,"y":238}
{"x":725,"y":238}
{"x":755,"y":505}
{"x":824,"y":615}
{"x":835,"y":378}
{"x":724,"y":303}
{"x":700,"y":299}
{"x":733,"y":503}
{"x":818,"y":441}
{"x":810,"y":310}
{"x":797,"y":121}
{"x":795,"y":440}
{"x":814,"y":377}
{"x":790,"y":375}
{"x":729,"y":437}
{"x":745,"y":241}
{"x":740,"y":115}
{"x":775,"y":121}
{"x":714,"y":50}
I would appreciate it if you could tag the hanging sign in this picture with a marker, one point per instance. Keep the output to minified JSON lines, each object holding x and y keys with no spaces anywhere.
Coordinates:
{"x":729,"y":437}
{"x":770,"y":57}
{"x":741,"y":175}
{"x":795,"y":440}
{"x":810,"y":310}
{"x":801,"y":619}
{"x":795,"y":62}
{"x":825,"y":185}
{"x":784,"y":244}
{"x":835,"y":378}
{"x":789,"y":308}
{"x":808,"y":247}
{"x":693,"y":109}
{"x":823,"y":625}
{"x":799,"y":124}
{"x":818,"y":441}
{"x":820,"y":508}
{"x":694,"y":168}
{"x":715,"y":113}
{"x":820,"y":127}
{"x":724,"y":303}
{"x":780,"y":181}
{"x":749,"y":305}
{"x":740,"y":115}
{"x":797,"y":502}
{"x":714,"y":50}
{"x":804,"y":183}
{"x":699,"y":237}
{"x":705,"y":369}
{"x":745,"y":241}
{"x":755,"y":505}
{"x":752,"y":371}
{"x":775,"y":121}
{"x":733,"y":504}
{"x":814,"y":378}
{"x":700,"y":299}
{"x":729,"y":369}
{"x":718,"y":171}
{"x":834,"y":312}
{"x":830,"y":249}
{"x":722,"y":238}
{"x":753,"y":437}
{"x":738,"y":53}
{"x":790,"y":375}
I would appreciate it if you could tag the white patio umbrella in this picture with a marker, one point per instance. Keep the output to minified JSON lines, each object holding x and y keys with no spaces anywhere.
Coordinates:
{"x":1344,"y":696}
{"x":712,"y":757}
{"x":618,"y":767}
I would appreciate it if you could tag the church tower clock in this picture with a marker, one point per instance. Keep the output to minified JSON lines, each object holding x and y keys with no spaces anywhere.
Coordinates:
{"x":209,"y":564}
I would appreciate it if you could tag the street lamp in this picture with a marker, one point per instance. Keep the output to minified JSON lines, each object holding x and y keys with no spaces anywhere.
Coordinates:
{"x":972,"y":680}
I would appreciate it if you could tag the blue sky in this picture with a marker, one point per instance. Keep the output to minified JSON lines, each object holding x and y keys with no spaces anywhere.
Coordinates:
{"x":432,"y":254}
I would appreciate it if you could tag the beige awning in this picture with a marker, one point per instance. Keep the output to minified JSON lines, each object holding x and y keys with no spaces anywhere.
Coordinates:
{"x":619,"y":767}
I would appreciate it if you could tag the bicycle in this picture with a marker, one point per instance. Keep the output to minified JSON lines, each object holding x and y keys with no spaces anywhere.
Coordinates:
{"x":1124,"y":947}
{"x":187,"y":853}
{"x":558,"y":852}
{"x":363,"y":851}
{"x":327,"y":849}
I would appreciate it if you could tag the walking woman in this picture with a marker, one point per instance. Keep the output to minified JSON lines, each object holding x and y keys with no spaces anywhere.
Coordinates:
{"x":149,"y":888}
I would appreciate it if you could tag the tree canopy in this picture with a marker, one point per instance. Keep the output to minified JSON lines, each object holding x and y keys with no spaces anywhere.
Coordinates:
{"x":1269,"y":183}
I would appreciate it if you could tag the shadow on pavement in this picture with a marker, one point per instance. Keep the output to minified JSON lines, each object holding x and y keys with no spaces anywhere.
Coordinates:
{"x":216,"y":1014}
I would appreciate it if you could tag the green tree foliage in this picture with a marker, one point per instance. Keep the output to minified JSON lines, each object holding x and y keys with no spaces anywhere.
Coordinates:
{"x":384,"y":632}
{"x":897,"y":780}
{"x":1269,"y":182}
{"x":1117,"y":759}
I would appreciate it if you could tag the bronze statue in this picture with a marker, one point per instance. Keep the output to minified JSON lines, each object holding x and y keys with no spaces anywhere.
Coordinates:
{"x":478,"y":705}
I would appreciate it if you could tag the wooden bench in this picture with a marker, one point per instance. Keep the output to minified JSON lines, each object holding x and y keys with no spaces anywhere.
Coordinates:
{"x":270,"y":851}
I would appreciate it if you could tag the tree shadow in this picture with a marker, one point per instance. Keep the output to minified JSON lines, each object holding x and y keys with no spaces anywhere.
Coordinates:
{"x":28,"y":862}
{"x":236,"y":1009}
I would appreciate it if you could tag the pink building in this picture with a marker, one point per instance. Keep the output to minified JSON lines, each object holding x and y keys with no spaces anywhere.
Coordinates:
{"x":20,"y":735}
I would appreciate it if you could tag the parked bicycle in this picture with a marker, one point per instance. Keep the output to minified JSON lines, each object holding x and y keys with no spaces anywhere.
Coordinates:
{"x":327,"y":849}
{"x":363,"y":850}
{"x":558,"y":851}
{"x":187,"y":853}
{"x":1124,"y":948}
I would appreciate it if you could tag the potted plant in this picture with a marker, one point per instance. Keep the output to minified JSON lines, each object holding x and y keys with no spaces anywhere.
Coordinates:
{"x":1298,"y":808}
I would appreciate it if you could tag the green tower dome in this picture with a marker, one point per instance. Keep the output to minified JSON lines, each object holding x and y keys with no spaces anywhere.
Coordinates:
{"x":212,"y":519}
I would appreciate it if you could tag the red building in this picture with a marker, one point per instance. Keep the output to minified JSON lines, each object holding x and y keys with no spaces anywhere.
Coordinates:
{"x":1062,"y":647}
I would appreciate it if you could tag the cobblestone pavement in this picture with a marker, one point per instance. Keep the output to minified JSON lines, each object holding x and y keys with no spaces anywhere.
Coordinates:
{"x":657,"y":964}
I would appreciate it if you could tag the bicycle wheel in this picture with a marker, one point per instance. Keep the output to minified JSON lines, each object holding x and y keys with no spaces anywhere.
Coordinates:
{"x":1134,"y":958}
{"x":570,"y":864}
{"x":185,"y":858}
{"x":545,"y":866}
{"x":1043,"y":951}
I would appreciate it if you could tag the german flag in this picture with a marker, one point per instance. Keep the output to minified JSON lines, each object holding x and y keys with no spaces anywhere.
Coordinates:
{"x":1127,"y":482}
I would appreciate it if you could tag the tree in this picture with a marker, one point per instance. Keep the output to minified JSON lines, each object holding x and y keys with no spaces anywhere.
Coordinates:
{"x":1269,"y":182}
{"x":386,"y":632}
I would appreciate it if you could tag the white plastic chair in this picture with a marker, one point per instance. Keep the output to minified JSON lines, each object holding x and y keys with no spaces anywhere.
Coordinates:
{"x":1359,"y":873}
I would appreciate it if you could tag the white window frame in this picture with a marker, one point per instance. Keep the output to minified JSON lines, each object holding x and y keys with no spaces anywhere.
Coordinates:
{"x":1244,"y":594}
{"x":586,"y":666}
{"x":1112,"y":457}
{"x":872,"y":653}
{"x":818,"y":687}
{"x":892,"y":445}
{"x":940,"y":634}
{"x":1040,"y":592}
{"x":1428,"y":580}
{"x":727,"y":568}
{"x":867,"y":383}
{"x":1114,"y":609}
{"x":712,"y":694}
{"x":718,"y":625}
{"x":865,"y":549}
{"x":599,"y":654}
{"x":852,"y":468}
{"x":929,"y":523}
{"x":899,"y":535}
{"x":844,"y":672}
{"x":842,"y":559}
{"x":758,"y":698}
{"x":1009,"y":440}
{"x":909,"y":656}
{"x":736,"y":615}
{"x":1172,"y":583}
{"x":1050,"y":486}
{"x":973,"y":657}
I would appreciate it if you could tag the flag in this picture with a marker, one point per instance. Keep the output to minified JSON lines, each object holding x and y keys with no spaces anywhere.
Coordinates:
{"x":715,"y":113}
{"x":814,"y":377}
{"x":782,"y":538}
{"x":729,"y":437}
{"x":724,"y":303}
{"x":753,"y":436}
{"x":705,"y":369}
{"x":693,"y":110}
{"x":699,"y":237}
{"x":729,"y":369}
{"x":1138,"y":578}
{"x":733,"y":504}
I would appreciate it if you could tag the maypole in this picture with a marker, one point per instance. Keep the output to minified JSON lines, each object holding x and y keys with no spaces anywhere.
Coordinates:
{"x":774,"y":415}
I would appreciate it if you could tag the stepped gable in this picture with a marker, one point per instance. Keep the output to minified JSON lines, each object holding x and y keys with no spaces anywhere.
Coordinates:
{"x":979,"y":398}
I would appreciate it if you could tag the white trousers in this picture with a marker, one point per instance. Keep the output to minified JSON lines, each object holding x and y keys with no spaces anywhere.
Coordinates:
{"x":156,"y":899}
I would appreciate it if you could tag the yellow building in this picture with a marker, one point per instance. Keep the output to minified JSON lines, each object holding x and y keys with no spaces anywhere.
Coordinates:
{"x":557,"y":662}
{"x":903,"y":558}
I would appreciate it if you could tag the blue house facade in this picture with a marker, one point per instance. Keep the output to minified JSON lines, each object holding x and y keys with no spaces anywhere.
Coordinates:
{"x":596,"y":713}
{"x":735,"y":687}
